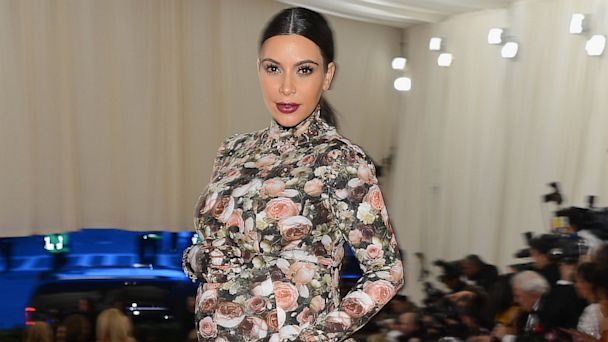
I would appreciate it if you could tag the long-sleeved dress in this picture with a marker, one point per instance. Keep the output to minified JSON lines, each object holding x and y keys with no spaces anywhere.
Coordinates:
{"x":272,"y":223}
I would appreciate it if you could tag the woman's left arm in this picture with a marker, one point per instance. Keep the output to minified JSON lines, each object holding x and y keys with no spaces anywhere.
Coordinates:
{"x":361,"y":215}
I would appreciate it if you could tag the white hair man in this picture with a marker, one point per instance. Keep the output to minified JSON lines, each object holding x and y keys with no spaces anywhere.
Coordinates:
{"x":528,"y":288}
{"x":547,"y":309}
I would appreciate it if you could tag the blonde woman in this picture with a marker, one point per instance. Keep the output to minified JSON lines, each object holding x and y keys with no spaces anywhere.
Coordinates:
{"x":113,"y":326}
{"x":39,"y":332}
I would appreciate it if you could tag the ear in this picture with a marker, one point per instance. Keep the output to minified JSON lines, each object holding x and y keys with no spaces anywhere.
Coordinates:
{"x":329,"y":75}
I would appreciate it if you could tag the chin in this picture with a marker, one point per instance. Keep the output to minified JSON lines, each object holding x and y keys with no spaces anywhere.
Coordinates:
{"x":286,"y":120}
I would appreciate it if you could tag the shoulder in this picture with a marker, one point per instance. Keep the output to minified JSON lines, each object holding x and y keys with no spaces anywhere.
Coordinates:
{"x":236,"y":140}
{"x":346,"y":161}
{"x":345,"y":150}
{"x":240,"y":140}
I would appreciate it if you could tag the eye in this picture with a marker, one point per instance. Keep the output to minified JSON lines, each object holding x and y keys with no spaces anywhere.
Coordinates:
{"x":271,"y":68}
{"x":305,"y":69}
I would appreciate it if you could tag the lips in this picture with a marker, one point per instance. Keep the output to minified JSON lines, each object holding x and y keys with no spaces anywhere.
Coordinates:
{"x":287,"y":108}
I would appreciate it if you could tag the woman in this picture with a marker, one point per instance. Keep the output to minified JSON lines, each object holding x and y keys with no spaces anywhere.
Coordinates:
{"x":599,"y":330}
{"x":38,"y":332}
{"x":589,"y":321}
{"x":282,"y":201}
{"x":113,"y":326}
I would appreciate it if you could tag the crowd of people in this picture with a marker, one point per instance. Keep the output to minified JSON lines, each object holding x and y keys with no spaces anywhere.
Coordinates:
{"x":552,"y":299}
{"x":111,"y":325}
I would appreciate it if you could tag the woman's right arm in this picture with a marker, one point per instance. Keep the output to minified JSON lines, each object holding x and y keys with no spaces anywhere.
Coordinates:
{"x":193,"y":256}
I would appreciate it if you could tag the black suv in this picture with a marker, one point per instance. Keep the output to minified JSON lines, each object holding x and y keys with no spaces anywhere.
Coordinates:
{"x":156,"y":299}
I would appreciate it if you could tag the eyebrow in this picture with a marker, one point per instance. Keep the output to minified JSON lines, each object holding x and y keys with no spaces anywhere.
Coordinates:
{"x":306,"y":61}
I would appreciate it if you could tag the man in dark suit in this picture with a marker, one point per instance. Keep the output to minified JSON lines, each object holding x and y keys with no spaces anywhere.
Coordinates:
{"x":529,"y":292}
{"x":544,"y":309}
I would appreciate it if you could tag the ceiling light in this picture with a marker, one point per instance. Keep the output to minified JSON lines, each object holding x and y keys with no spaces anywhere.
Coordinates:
{"x":595,"y":45}
{"x":445,"y":59}
{"x":495,"y":36}
{"x":509,"y":50}
{"x":435,"y":44}
{"x":403,"y":84}
{"x":577,"y":23}
{"x":399,"y":63}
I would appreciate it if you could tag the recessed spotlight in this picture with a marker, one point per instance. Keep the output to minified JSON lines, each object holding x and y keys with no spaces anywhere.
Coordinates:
{"x":435,"y":44}
{"x":577,"y":23}
{"x":509,"y":50}
{"x":445,"y":59}
{"x":399,"y":63}
{"x":495,"y":36}
{"x":595,"y":45}
{"x":403,"y":84}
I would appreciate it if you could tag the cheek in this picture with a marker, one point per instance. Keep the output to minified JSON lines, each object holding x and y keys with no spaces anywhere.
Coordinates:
{"x":268,"y":85}
{"x":311,"y":89}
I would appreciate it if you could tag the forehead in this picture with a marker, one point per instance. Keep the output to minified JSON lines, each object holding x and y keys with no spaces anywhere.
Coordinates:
{"x":290,"y":46}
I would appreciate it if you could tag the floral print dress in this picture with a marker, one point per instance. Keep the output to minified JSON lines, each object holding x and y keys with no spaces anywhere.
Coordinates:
{"x":273,"y":221}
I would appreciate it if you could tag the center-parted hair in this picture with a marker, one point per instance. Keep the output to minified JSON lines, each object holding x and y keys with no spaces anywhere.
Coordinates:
{"x":312,"y":25}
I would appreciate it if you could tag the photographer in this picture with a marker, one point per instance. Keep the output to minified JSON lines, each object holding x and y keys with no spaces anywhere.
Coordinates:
{"x":452,"y":278}
{"x":457,"y":313}
{"x":478,"y":272}
{"x":539,"y":248}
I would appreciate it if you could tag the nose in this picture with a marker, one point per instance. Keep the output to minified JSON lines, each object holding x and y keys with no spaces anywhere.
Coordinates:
{"x":287,"y":86}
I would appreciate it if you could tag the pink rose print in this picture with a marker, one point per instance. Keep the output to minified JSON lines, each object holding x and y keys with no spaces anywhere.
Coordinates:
{"x":256,"y":304}
{"x":317,"y":304}
{"x":374,"y":198}
{"x":294,"y":228}
{"x":307,"y":160}
{"x":273,"y":187}
{"x":355,"y":236}
{"x":281,"y":207}
{"x":374,"y":251}
{"x":338,"y":321}
{"x":207,"y":327}
{"x":357,"y":304}
{"x":207,"y":301}
{"x":306,"y":316}
{"x":254,"y":328}
{"x":302,"y":272}
{"x":265,"y":161}
{"x":365,"y":173}
{"x":381,"y":291}
{"x":236,"y":220}
{"x":313,"y":187}
{"x":229,"y":314}
{"x":396,"y":272}
{"x":286,"y":295}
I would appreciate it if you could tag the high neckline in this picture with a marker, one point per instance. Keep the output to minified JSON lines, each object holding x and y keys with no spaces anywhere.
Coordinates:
{"x":285,"y":137}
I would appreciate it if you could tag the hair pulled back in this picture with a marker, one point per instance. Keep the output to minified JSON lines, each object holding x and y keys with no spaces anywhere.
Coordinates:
{"x":312,"y":25}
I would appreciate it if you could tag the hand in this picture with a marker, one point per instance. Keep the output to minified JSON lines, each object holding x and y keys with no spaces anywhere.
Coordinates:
{"x":461,"y":295}
{"x":500,"y":331}
{"x":579,"y":336}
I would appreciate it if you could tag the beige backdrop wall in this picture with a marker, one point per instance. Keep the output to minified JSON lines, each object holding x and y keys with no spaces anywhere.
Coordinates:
{"x":480,"y":140}
{"x":111,"y":111}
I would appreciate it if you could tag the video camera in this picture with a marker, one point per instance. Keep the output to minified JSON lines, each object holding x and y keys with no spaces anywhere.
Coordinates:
{"x":563,"y":243}
{"x":558,"y":246}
